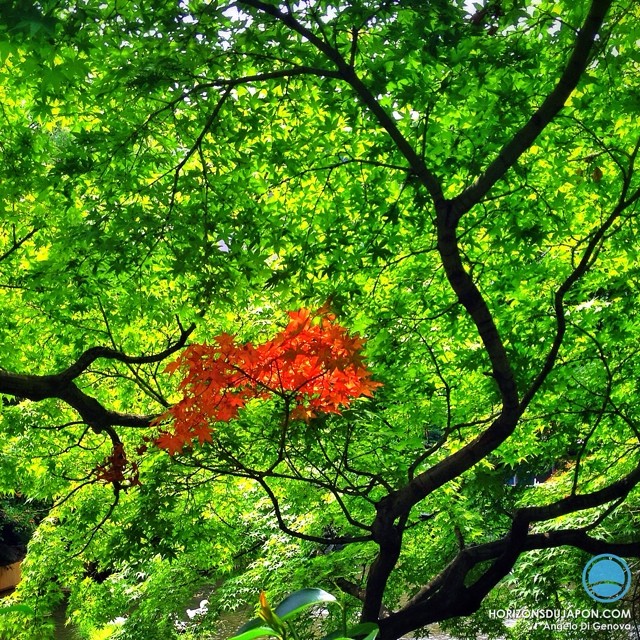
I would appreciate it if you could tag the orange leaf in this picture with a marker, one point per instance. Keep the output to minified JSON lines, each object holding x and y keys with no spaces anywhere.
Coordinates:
{"x":313,"y":362}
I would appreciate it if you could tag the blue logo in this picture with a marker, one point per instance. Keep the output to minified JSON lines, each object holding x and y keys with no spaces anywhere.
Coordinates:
{"x":606,"y":578}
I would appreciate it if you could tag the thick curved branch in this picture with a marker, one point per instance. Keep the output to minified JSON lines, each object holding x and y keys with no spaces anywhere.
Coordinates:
{"x":92,"y":412}
{"x":501,"y":428}
{"x":518,"y":538}
{"x":547,"y":111}
{"x":446,"y":595}
{"x":95,"y":353}
{"x":580,"y":540}
{"x":397,"y":505}
{"x":574,"y":503}
{"x":435,"y":603}
{"x":63,"y":387}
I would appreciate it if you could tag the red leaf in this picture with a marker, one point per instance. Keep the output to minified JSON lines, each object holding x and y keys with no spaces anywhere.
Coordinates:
{"x":313,"y":362}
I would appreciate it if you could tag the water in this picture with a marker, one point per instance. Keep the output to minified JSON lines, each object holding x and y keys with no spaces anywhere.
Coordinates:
{"x":228,"y":623}
{"x":63,"y":632}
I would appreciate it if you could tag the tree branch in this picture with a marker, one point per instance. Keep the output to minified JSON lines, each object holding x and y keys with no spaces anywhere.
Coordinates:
{"x":63,"y":387}
{"x":434,"y":602}
{"x":18,"y":243}
{"x":547,"y":111}
{"x":573,"y":503}
{"x":284,"y":527}
{"x":347,"y":73}
{"x":561,"y":322}
{"x":446,"y":595}
{"x":95,"y":353}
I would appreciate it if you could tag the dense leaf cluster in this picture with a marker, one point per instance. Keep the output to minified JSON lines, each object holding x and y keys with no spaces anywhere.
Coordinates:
{"x":313,"y":366}
{"x":459,"y":181}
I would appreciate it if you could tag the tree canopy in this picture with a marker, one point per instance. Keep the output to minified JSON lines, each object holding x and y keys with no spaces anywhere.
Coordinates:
{"x":454,"y":185}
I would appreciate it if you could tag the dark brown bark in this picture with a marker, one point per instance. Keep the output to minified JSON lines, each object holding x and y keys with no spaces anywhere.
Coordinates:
{"x":398,"y":504}
{"x":447,"y":596}
{"x":547,"y":111}
{"x":62,"y":386}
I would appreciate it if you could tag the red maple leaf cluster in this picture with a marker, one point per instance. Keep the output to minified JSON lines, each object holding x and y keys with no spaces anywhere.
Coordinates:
{"x":313,"y":365}
{"x":116,"y":469}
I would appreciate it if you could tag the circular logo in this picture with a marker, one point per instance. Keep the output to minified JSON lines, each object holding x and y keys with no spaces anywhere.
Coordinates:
{"x":606,"y":578}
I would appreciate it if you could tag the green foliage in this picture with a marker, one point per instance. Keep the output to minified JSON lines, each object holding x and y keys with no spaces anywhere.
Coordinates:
{"x":21,"y":608}
{"x":273,"y":622}
{"x":219,"y":165}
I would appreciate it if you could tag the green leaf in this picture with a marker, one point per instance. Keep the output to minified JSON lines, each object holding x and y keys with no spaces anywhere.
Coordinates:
{"x":300,"y":600}
{"x":254,"y":629}
{"x":17,"y":608}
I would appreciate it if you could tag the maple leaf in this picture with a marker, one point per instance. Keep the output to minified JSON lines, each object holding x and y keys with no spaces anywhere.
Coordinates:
{"x":116,"y":469}
{"x":299,"y":320}
{"x":313,"y":364}
{"x":172,"y":444}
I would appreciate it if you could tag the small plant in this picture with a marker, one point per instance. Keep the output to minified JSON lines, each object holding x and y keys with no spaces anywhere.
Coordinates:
{"x":274,"y":623}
